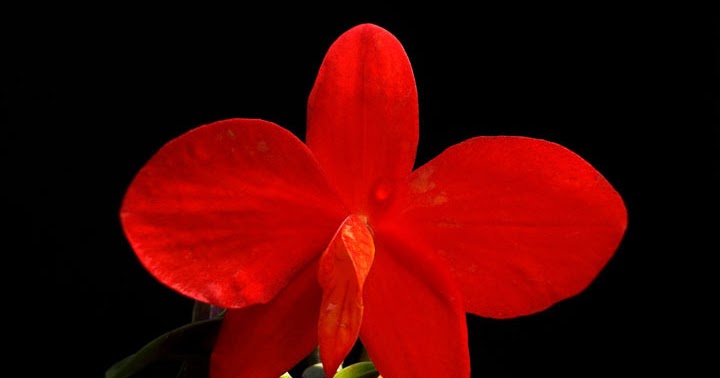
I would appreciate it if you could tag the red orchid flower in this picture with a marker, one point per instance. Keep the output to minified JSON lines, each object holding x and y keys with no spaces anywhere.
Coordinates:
{"x":321,"y":243}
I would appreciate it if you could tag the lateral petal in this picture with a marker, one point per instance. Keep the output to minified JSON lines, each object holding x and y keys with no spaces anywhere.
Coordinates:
{"x":414,"y":323}
{"x":266,"y":340}
{"x":363,"y":115}
{"x":229,"y":212}
{"x":523,"y":222}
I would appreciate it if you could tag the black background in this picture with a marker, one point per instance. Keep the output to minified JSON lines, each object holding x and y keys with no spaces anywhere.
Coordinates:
{"x":92,"y":94}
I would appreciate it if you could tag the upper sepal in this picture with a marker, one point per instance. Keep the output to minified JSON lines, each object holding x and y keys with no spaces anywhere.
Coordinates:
{"x":362,"y":116}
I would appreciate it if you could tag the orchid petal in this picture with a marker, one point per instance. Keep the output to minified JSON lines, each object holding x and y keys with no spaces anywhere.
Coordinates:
{"x":523,"y":222}
{"x":266,"y":340}
{"x":229,"y":212}
{"x":414,"y":323}
{"x":363,"y":116}
{"x":343,"y":269}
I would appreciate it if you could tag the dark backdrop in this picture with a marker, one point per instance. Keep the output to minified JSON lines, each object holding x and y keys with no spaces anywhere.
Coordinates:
{"x":91,"y":96}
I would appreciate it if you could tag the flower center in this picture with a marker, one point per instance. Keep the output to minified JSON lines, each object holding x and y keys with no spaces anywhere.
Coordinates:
{"x":382,"y":191}
{"x":343,"y":268}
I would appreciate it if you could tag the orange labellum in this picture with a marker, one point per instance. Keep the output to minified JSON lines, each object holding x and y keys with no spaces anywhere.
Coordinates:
{"x":343,"y":268}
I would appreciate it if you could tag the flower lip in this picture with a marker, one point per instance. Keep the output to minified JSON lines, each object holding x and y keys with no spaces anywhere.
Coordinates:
{"x":344,"y":266}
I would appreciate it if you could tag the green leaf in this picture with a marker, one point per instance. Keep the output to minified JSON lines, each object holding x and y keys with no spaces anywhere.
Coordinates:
{"x":364,"y":369}
{"x":286,"y":375}
{"x":203,"y":311}
{"x":191,"y":343}
{"x":194,"y":369}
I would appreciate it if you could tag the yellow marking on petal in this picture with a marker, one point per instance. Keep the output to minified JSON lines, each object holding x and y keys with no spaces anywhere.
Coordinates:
{"x":440,"y":199}
{"x":344,"y":266}
{"x":262,"y":146}
{"x":423,"y":183}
